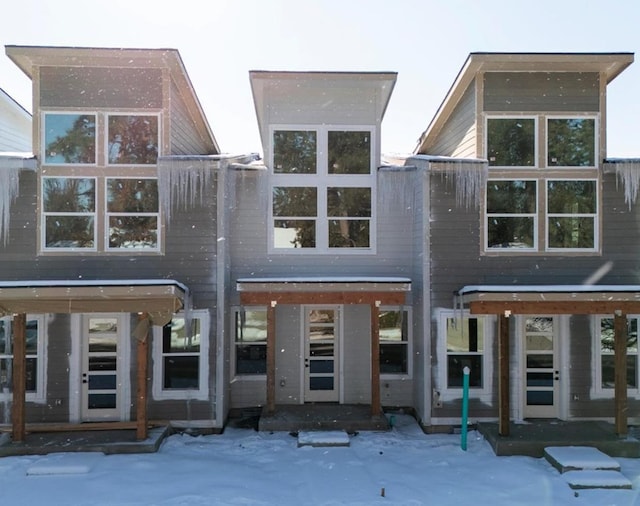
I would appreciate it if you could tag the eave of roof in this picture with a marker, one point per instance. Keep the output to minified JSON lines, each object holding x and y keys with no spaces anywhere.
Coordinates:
{"x":29,"y":57}
{"x":610,"y":64}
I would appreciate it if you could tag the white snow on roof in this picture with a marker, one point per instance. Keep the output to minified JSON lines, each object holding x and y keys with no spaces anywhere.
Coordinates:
{"x":548,"y":288}
{"x":338,"y":279}
{"x":33,"y":283}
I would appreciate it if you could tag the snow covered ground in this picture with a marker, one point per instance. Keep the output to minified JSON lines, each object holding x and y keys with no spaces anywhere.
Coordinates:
{"x":244,"y":467}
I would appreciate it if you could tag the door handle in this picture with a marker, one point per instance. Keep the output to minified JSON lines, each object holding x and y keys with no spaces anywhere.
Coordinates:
{"x":306,"y":362}
{"x":556,"y":375}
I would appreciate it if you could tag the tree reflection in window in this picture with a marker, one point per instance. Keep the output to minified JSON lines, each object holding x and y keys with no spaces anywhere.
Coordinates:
{"x":69,"y":212}
{"x":133,"y":140}
{"x":70,"y":138}
{"x":132,"y":206}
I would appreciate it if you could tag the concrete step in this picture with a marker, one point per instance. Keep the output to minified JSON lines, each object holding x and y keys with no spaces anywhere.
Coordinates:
{"x":321,"y":438}
{"x":571,"y":458}
{"x":585,"y":467}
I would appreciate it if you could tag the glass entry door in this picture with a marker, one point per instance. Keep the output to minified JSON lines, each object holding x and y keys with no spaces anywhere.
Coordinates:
{"x":321,"y":354}
{"x":102,"y":375}
{"x":542,"y":375}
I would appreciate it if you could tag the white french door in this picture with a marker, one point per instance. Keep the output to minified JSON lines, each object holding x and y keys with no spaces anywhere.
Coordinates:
{"x":103,"y":373}
{"x":321,"y":354}
{"x":541,"y":367}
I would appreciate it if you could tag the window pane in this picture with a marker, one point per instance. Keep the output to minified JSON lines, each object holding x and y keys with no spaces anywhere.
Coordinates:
{"x":351,"y":202}
{"x":571,"y":232}
{"x":608,"y":371}
{"x":176,"y":339}
{"x":5,"y":342}
{"x":251,"y":326}
{"x":31,"y":332}
{"x":571,"y":142}
{"x":135,"y":232}
{"x":511,"y":142}
{"x":69,"y":195}
{"x":510,"y":232}
{"x":465,"y":334}
{"x":511,"y":197}
{"x":294,"y":234}
{"x":393,"y":358}
{"x":251,"y":359}
{"x":70,"y":138}
{"x":294,"y":152}
{"x":571,"y":197}
{"x":349,"y":152}
{"x":69,"y":232}
{"x":181,"y":372}
{"x":393,"y":326}
{"x":349,"y":234}
{"x":455,"y":368}
{"x":133,"y":140}
{"x":132,"y":195}
{"x":293,"y":201}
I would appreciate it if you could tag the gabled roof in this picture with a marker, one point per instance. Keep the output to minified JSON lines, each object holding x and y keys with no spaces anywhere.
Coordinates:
{"x":27,"y":58}
{"x":609,"y":64}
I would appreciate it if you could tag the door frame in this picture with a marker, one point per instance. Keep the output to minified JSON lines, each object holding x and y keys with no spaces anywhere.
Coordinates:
{"x":338,"y":360}
{"x":560,"y":337}
{"x":78,"y":347}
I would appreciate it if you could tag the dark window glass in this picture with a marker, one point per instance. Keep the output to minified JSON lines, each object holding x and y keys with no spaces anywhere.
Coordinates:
{"x":571,"y":142}
{"x":133,"y":140}
{"x":511,"y":142}
{"x":294,"y":152}
{"x":70,"y":138}
{"x":349,"y":152}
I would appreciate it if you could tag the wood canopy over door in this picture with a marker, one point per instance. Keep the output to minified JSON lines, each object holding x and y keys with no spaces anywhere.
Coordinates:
{"x":155,"y":300}
{"x":507,"y":300}
{"x":334,"y":292}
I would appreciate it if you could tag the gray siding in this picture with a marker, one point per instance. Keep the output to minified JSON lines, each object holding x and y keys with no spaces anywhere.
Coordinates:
{"x":458,"y":135}
{"x":541,"y":91}
{"x":100,"y":87}
{"x":185,"y":139}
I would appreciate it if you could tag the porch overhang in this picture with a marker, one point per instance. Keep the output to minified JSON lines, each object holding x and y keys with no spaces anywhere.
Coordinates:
{"x":335,"y":290}
{"x":160,"y":298}
{"x":551,"y":299}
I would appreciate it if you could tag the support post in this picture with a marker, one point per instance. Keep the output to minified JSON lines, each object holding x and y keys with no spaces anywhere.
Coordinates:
{"x":19,"y":377}
{"x":620,"y":372}
{"x":376,"y":408}
{"x":271,"y":357}
{"x":503,"y":374}
{"x":141,"y":380}
{"x":465,"y":408}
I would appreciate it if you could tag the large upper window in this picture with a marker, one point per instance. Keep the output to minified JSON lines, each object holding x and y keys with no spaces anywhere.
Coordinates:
{"x":322,"y":190}
{"x":35,"y":361}
{"x":605,"y":356}
{"x":551,"y":207}
{"x":111,"y":202}
{"x":181,"y":357}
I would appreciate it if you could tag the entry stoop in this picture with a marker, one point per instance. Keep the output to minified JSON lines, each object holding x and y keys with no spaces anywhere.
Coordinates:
{"x":585,"y":467}
{"x":323,"y":438}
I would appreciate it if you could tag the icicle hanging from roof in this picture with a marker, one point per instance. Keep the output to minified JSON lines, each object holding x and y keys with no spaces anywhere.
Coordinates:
{"x":9,"y":187}
{"x":470,"y":178}
{"x":397,"y":186}
{"x":182,"y":183}
{"x":627,"y":172}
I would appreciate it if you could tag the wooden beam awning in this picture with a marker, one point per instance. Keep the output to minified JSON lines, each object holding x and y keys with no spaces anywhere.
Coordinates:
{"x":338,"y":290}
{"x":551,"y":299}
{"x":160,"y":298}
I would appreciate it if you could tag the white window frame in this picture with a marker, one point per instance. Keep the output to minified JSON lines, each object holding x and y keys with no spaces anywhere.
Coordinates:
{"x":408,"y":344}
{"x":536,"y":143}
{"x":106,"y":215}
{"x":597,"y":391}
{"x":234,"y":375}
{"x":43,"y":137}
{"x":322,"y":180}
{"x":594,"y":216}
{"x":100,"y":171}
{"x":535,"y":216}
{"x":40,"y":395}
{"x":160,"y":393}
{"x":447,"y":393}
{"x":596,"y":131}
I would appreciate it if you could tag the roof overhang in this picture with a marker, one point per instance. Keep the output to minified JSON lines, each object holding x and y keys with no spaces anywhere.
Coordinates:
{"x":338,"y":290}
{"x":610,"y":65}
{"x":551,"y":299}
{"x":159,"y":298}
{"x":23,"y":161}
{"x":28,"y":58}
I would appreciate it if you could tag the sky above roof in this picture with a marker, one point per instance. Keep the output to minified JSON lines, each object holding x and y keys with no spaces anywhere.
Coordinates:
{"x":425,"y":41}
